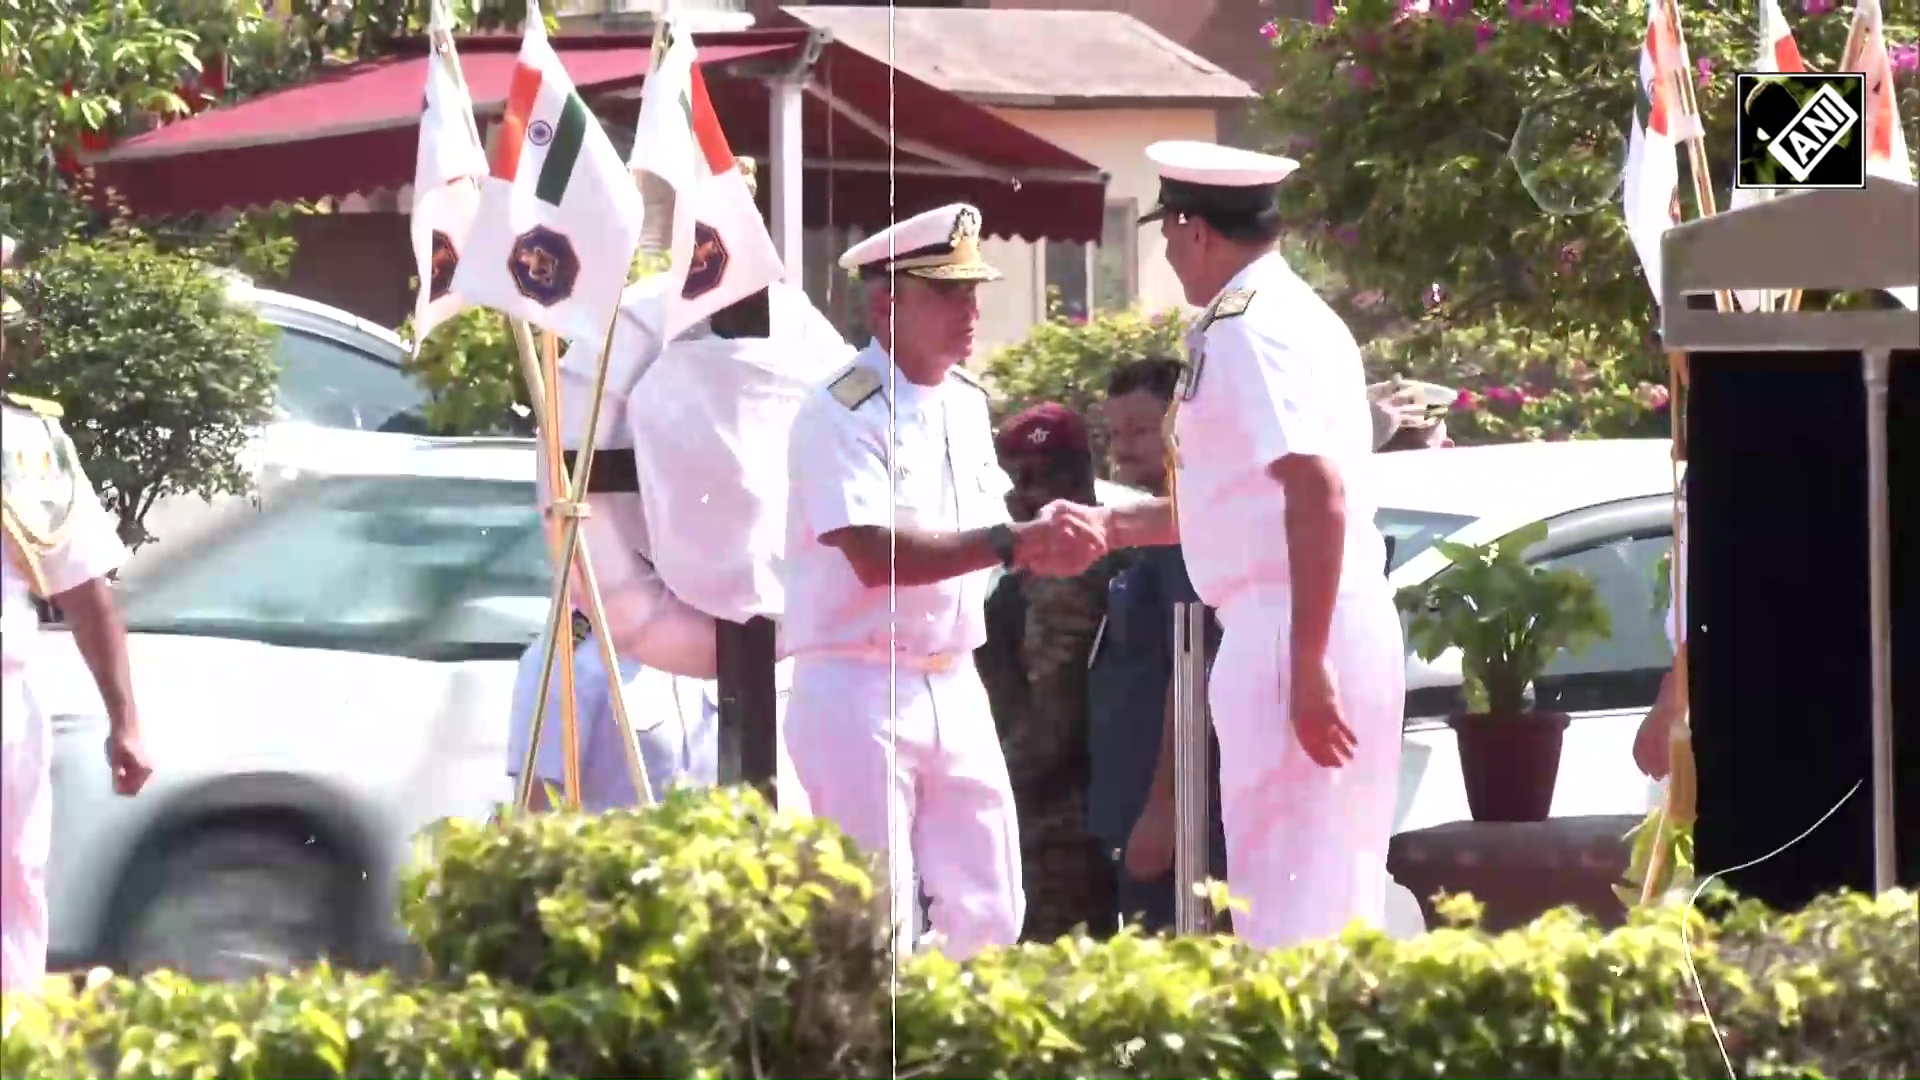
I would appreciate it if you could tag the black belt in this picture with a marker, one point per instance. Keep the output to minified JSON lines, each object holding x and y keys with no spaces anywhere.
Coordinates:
{"x":614,"y":471}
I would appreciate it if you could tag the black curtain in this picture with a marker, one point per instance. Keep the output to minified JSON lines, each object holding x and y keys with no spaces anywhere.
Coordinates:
{"x":1778,"y":630}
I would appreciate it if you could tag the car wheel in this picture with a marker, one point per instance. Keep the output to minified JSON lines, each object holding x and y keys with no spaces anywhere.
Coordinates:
{"x":235,"y":901}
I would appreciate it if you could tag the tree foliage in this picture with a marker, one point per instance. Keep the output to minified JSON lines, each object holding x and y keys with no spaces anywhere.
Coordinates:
{"x":163,"y":379}
{"x":1420,"y":135}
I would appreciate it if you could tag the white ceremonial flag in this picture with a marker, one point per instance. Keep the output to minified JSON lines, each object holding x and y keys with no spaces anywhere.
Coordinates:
{"x":1650,"y":197}
{"x":559,"y":214}
{"x":721,"y":250}
{"x":1886,"y":143}
{"x":446,"y":178}
{"x":1777,"y":53}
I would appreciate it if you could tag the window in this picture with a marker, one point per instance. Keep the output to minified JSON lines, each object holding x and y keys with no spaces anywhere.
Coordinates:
{"x":1083,"y":278}
{"x":1413,"y":531}
{"x":1624,"y":670}
{"x":331,"y":384}
{"x":434,"y":568}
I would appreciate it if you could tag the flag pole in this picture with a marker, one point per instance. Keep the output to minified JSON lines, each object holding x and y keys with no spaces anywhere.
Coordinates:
{"x":1680,"y":744}
{"x":1849,"y":59}
{"x":546,"y":408}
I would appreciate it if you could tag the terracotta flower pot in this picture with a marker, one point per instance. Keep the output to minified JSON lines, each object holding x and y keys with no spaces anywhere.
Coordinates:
{"x":1510,"y":763}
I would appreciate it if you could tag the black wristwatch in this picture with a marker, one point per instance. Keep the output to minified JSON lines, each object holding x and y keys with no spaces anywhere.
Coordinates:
{"x":1001,"y":537}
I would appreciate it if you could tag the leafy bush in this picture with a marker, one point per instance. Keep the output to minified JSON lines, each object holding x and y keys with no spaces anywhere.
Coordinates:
{"x":1067,"y":359}
{"x":746,"y":935}
{"x":711,"y":937}
{"x":163,"y":379}
{"x":1518,"y":383}
{"x":471,"y":370}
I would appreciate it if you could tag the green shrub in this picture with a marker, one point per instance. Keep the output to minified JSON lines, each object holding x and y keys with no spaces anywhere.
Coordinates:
{"x":163,"y":378}
{"x":718,"y":919}
{"x":1067,"y":359}
{"x":471,"y":370}
{"x":712,"y":937}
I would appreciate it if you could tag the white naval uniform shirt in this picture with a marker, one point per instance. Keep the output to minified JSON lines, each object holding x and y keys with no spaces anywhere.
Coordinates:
{"x":935,"y":471}
{"x":1283,"y":378}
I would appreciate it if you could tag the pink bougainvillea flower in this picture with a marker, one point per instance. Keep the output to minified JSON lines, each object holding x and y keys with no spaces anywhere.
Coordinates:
{"x":1482,"y":35}
{"x":1704,"y":68}
{"x":1505,"y":395}
{"x":1651,"y":395}
{"x":1905,"y":58}
{"x":1270,"y":30}
{"x":1323,"y":11}
{"x":1560,"y":12}
{"x":1817,"y":7}
{"x":1465,"y":401}
{"x":1362,"y":77}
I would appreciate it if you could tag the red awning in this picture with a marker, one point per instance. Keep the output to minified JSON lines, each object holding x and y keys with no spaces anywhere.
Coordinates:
{"x":354,"y":131}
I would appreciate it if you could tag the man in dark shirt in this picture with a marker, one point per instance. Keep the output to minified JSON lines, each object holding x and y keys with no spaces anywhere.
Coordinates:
{"x":1040,"y":632}
{"x":1130,"y":798}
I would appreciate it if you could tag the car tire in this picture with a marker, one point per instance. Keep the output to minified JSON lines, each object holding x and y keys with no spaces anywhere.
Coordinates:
{"x":236,"y":900}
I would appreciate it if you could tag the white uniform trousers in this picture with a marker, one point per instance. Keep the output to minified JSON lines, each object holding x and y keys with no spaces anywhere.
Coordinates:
{"x":940,"y":792}
{"x":1306,"y":845}
{"x":26,"y":833}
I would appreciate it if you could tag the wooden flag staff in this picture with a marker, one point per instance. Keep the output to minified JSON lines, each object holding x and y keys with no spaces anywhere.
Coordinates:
{"x":1676,"y":805}
{"x":569,"y":552}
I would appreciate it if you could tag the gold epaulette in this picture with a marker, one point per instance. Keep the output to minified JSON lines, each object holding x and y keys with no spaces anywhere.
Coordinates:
{"x":37,"y":406}
{"x":1228,"y":305}
{"x":855,"y":387}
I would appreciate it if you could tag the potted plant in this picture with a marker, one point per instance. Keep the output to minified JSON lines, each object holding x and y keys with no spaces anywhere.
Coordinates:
{"x":1509,"y":620}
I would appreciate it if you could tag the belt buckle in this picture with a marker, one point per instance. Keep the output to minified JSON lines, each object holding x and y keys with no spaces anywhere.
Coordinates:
{"x":582,"y":628}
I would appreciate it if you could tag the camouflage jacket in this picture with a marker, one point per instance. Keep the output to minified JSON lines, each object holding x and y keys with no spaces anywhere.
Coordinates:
{"x":1040,"y":637}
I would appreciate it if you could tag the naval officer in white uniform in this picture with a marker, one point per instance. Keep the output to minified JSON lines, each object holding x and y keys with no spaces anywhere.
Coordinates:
{"x":897,"y":516}
{"x":1272,"y":440}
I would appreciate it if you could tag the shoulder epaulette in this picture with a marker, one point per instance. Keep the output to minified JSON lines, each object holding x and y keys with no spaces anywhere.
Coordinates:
{"x":855,"y":387}
{"x":967,"y":377}
{"x":39,"y":406}
{"x":1227,"y":306}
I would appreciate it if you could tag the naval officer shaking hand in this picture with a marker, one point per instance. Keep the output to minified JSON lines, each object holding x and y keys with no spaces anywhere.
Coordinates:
{"x":1271,"y":443}
{"x":896,"y":519}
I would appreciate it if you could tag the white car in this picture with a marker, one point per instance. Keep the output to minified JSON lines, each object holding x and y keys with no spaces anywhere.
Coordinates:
{"x":1608,"y":505}
{"x":318,"y":678}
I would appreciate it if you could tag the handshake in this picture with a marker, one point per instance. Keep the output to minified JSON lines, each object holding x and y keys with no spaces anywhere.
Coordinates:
{"x":1062,"y":540}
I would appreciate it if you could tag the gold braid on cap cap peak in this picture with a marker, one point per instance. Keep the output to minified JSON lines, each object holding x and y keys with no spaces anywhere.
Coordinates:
{"x":963,"y":247}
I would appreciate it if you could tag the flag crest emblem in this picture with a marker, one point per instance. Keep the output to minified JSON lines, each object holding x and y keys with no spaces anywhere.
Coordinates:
{"x":708,"y":267}
{"x":543,"y":266}
{"x":444,"y":261}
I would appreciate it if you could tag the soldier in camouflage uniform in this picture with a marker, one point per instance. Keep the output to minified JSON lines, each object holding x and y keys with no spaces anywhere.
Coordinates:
{"x":1040,"y":636}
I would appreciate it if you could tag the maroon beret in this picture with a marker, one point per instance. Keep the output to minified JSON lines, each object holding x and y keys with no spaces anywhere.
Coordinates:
{"x":1047,"y":428}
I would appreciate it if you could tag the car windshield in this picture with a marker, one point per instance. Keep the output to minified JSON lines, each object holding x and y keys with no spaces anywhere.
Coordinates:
{"x":426,"y":567}
{"x":328,"y":383}
{"x":1414,"y":531}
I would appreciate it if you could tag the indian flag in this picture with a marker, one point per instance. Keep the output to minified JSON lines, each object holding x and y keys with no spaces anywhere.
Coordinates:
{"x":446,"y":176}
{"x":721,"y":250}
{"x":1886,"y":144}
{"x":1777,"y":53}
{"x":559,"y":215}
{"x":1650,"y":196}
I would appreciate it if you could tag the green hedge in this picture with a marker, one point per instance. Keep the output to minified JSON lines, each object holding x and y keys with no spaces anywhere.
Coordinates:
{"x":712,"y":937}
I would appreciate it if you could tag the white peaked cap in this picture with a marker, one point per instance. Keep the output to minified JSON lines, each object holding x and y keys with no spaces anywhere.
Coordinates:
{"x":941,"y":245}
{"x":1214,"y":165}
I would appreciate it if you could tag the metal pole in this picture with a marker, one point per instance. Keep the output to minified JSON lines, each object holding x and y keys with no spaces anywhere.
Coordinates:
{"x":1874,"y":368}
{"x":1193,"y":814}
